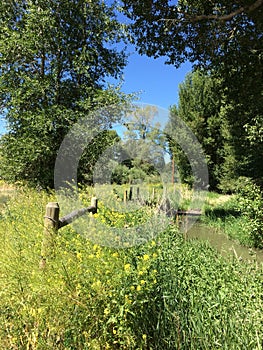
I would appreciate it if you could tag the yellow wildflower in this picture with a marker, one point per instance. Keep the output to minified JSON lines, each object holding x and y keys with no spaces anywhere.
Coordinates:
{"x":106,"y":311}
{"x":127,"y":267}
{"x":79,"y":256}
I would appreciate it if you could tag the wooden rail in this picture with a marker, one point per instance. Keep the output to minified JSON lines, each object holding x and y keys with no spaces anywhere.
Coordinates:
{"x":52,"y":222}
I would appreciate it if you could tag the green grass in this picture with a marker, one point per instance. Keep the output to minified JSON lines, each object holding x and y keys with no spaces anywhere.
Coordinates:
{"x":221,"y":211}
{"x":166,"y":294}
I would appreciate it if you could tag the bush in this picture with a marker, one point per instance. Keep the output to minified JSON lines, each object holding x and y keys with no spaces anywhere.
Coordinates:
{"x":250,"y":204}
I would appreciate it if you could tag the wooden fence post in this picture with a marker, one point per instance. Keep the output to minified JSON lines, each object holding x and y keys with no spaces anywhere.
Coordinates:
{"x":94,"y":203}
{"x":138,"y":193}
{"x":125,"y":196}
{"x":51,"y":222}
{"x":130,"y":194}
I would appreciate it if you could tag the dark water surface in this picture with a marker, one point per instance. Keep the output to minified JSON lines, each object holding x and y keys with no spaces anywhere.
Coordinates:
{"x":222,"y":243}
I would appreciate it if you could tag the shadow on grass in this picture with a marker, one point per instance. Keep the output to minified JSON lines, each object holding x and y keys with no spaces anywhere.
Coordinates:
{"x":222,"y":213}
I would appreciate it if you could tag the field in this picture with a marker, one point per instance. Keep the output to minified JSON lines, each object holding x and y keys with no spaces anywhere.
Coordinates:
{"x":168,"y":293}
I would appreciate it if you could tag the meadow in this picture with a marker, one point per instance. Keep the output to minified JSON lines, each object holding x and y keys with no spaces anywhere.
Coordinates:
{"x":168,"y":293}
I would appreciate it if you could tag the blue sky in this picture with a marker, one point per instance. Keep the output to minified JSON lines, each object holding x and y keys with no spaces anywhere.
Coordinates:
{"x":157,"y":82}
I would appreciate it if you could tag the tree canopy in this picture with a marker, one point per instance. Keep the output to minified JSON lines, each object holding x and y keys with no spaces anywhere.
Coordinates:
{"x":200,"y":108}
{"x":208,"y":32}
{"x":225,"y":40}
{"x":144,"y":147}
{"x":225,"y":37}
{"x":55,"y":58}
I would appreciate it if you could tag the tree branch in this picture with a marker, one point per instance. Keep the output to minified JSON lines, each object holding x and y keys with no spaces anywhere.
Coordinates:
{"x":224,"y":18}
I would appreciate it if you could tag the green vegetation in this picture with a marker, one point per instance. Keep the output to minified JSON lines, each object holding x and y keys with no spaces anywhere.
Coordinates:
{"x":239,"y":215}
{"x":222,"y":100}
{"x":166,"y":294}
{"x":199,"y":106}
{"x":52,"y":73}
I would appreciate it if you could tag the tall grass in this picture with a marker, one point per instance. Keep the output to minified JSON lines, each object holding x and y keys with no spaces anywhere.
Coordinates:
{"x":166,"y":294}
{"x":224,"y":213}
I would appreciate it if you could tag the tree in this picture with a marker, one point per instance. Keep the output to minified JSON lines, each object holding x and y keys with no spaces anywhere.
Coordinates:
{"x":55,"y":58}
{"x":199,"y":107}
{"x":211,"y":33}
{"x":225,"y":39}
{"x":145,"y":142}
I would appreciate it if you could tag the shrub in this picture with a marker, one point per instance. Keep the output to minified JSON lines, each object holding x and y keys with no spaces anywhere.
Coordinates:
{"x":250,"y":204}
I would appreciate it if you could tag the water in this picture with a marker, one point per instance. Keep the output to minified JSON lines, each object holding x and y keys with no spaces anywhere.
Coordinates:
{"x":222,"y":243}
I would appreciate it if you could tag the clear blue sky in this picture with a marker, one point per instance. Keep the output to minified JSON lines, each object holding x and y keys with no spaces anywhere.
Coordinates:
{"x":157,"y":82}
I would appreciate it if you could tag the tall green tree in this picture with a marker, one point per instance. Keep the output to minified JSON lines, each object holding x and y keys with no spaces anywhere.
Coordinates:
{"x":211,"y":33}
{"x":55,"y":59}
{"x":225,"y":38}
{"x":199,"y":107}
{"x":145,"y":142}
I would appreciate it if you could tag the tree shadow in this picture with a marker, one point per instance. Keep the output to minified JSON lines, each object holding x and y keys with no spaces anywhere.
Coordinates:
{"x":221,"y":213}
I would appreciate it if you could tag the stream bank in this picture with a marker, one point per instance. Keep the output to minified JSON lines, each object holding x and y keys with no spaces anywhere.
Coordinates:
{"x":219,"y":240}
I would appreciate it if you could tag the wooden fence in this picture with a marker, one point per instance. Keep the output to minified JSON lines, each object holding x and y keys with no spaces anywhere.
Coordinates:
{"x":52,"y":223}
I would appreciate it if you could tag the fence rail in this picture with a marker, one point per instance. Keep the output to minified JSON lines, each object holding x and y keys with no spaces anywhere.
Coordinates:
{"x":52,"y":222}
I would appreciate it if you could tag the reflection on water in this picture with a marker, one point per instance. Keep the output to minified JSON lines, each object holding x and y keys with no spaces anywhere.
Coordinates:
{"x":220,"y":241}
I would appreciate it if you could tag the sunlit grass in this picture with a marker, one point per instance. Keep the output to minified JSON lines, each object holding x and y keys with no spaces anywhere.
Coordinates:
{"x":221,"y":211}
{"x":165,"y":294}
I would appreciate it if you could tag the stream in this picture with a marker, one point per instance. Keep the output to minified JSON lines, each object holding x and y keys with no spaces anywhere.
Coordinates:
{"x":222,"y":243}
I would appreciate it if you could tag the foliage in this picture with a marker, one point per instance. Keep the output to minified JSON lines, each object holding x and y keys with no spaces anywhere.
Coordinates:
{"x":199,"y":107}
{"x":55,"y":58}
{"x":250,"y":204}
{"x":225,"y":39}
{"x":144,"y":147}
{"x":231,"y":146}
{"x":224,"y":216}
{"x":92,"y":153}
{"x":216,"y":34}
{"x":240,"y":215}
{"x":168,"y":293}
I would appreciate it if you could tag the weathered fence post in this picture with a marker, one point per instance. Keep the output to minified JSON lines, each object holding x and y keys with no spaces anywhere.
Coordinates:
{"x":51,"y":225}
{"x":94,"y":203}
{"x":125,"y":196}
{"x":130,"y":194}
{"x":138,"y":193}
